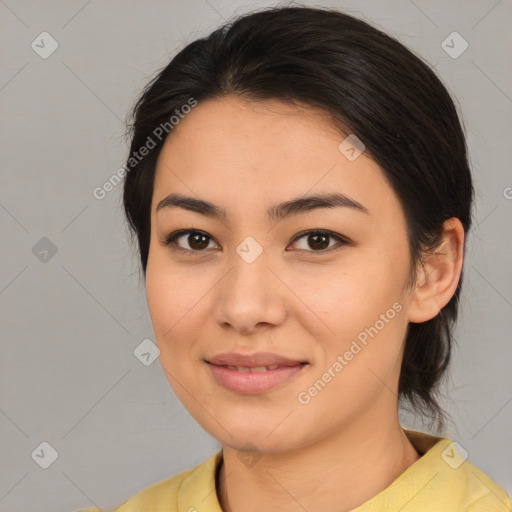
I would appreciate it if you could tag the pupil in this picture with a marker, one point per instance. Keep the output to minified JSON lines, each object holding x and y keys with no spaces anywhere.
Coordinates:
{"x":316,"y":242}
{"x":192,"y":239}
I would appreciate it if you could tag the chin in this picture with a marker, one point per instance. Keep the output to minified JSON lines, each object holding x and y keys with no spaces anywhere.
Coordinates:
{"x":257,"y":432}
{"x":259,"y":443}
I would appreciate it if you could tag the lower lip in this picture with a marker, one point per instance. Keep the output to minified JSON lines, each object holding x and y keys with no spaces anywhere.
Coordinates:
{"x":253,"y":382}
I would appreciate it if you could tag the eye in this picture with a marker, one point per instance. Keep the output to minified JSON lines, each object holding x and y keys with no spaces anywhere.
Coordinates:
{"x":196,"y":240}
{"x":199,"y":241}
{"x":319,"y":241}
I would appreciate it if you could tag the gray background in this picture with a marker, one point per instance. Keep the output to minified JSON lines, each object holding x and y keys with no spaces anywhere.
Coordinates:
{"x":70,"y":323}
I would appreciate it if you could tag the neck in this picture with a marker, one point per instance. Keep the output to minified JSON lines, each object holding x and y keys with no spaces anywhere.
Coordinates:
{"x":336,"y":474}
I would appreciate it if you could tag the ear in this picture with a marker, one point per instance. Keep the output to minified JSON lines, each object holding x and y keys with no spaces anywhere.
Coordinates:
{"x":438,"y":274}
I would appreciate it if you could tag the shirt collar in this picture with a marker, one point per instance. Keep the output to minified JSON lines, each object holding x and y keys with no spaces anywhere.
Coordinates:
{"x":198,"y":491}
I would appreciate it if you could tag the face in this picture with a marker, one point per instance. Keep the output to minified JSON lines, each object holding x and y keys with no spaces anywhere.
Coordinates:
{"x":324,"y":287}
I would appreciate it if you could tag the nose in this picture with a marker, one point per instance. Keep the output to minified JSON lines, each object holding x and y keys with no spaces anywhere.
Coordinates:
{"x":250,"y":297}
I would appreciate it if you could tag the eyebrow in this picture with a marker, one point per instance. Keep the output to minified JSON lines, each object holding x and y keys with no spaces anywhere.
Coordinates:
{"x":296,"y":206}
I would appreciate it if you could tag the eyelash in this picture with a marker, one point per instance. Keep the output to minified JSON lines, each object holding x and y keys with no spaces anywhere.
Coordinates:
{"x":169,"y":241}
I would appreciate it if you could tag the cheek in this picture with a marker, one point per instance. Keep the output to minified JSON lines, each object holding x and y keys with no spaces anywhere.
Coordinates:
{"x":169,"y":298}
{"x":364,"y":307}
{"x":171,"y":292}
{"x":360,"y":361}
{"x":178,"y":302}
{"x":161,"y":300}
{"x":353,"y":297}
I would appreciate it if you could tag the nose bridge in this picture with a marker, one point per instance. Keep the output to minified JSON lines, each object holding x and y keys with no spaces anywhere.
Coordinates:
{"x":249,"y":265}
{"x":248,"y":295}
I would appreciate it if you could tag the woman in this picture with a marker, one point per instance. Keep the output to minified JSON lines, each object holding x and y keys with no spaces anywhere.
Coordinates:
{"x":299,"y":189}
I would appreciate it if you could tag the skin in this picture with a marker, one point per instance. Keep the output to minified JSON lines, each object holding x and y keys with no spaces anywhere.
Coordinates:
{"x":292,"y":300}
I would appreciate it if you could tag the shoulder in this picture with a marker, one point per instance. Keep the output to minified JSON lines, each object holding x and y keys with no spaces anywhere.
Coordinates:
{"x":165,"y":495}
{"x":158,"y":495}
{"x":448,"y":481}
{"x":482,"y":494}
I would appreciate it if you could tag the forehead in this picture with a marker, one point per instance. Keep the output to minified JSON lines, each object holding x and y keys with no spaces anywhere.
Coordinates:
{"x":232,"y":150}
{"x":243,"y":130}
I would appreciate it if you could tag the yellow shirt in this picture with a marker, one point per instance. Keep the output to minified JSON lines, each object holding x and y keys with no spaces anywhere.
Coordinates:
{"x":440,"y":481}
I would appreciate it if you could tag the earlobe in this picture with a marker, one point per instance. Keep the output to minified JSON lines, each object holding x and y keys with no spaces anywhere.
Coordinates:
{"x":438,"y":274}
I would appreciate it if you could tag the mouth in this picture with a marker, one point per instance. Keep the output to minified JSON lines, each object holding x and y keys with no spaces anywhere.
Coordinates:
{"x":250,"y":379}
{"x":246,"y":369}
{"x":257,"y":360}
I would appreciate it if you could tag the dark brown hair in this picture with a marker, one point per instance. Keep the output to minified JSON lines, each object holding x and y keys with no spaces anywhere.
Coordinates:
{"x":371,"y":86}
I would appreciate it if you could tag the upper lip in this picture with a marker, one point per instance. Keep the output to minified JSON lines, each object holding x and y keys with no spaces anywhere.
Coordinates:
{"x":253,"y":360}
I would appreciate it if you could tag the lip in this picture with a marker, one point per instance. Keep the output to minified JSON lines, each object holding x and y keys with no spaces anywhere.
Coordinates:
{"x":253,"y":382}
{"x":252,"y":360}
